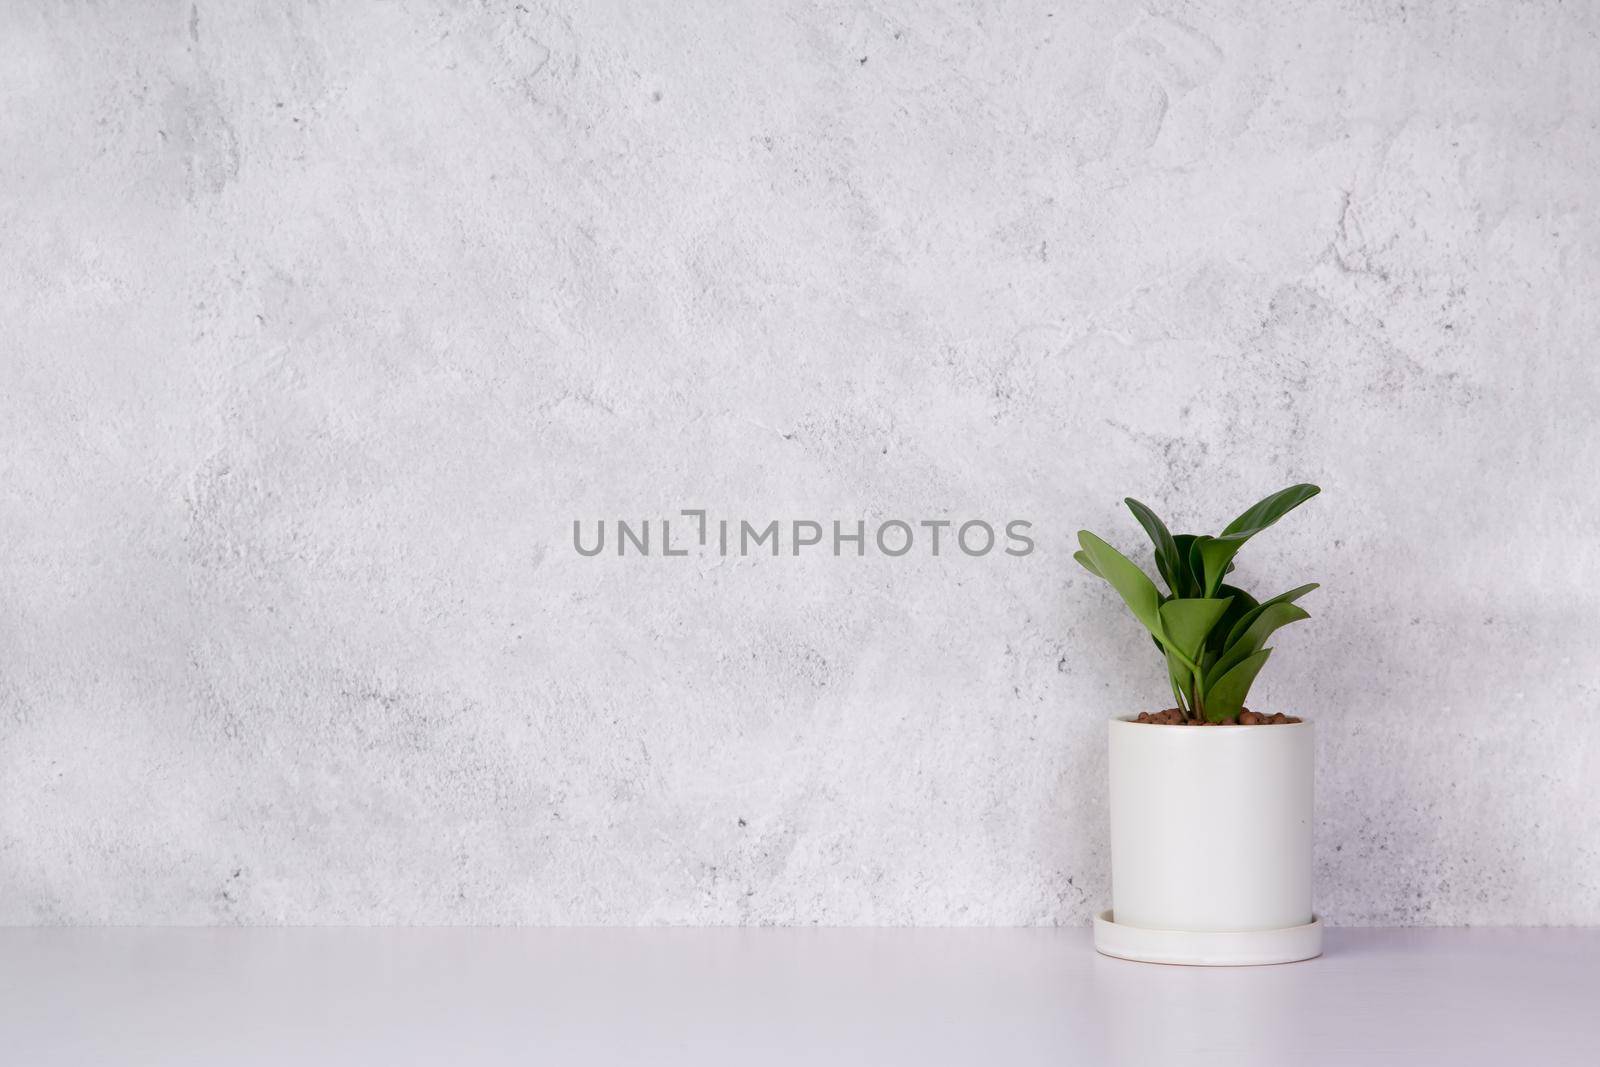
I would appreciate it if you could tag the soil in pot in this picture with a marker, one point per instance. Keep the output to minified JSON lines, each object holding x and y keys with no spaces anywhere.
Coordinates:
{"x":1174,"y":717}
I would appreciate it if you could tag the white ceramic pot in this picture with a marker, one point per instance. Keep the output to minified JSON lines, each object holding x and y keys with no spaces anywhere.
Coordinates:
{"x":1210,"y":844}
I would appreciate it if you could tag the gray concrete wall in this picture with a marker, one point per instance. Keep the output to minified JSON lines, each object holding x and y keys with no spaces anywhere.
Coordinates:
{"x":322,"y":323}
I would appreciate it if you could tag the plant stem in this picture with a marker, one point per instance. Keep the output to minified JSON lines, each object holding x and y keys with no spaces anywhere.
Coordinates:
{"x":1194,"y":672}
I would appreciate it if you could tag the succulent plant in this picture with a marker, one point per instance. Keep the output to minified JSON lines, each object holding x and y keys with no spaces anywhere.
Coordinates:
{"x":1212,"y":635}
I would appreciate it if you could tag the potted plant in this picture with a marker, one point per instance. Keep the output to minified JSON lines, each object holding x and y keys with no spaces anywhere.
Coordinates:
{"x":1210,"y":801}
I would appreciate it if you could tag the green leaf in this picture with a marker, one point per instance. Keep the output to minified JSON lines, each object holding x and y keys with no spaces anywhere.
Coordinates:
{"x":1216,"y":553}
{"x":1167,"y":558}
{"x":1083,"y":558}
{"x":1268,"y":511}
{"x":1187,"y":622}
{"x":1131,"y":583}
{"x":1225,"y":696}
{"x":1255,"y":635}
{"x":1217,"y":640}
{"x":1193,"y":573}
{"x":1161,"y":646}
{"x":1241,"y":624}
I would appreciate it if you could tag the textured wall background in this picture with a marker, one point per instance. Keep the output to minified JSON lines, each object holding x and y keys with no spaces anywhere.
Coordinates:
{"x":322,"y":323}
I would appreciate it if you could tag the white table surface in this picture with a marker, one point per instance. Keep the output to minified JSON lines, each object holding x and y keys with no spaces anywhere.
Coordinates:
{"x":750,"y":997}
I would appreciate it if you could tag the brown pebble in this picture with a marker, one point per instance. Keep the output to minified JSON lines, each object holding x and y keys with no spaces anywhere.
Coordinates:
{"x":1279,"y":717}
{"x":1294,"y":718}
{"x":1249,"y":718}
{"x":1144,"y":716}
